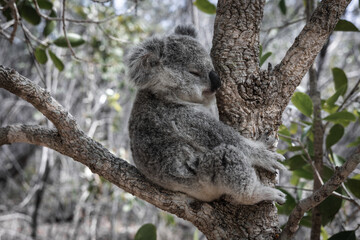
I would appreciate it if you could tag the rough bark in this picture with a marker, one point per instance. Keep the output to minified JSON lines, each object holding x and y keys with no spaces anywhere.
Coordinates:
{"x":252,"y":100}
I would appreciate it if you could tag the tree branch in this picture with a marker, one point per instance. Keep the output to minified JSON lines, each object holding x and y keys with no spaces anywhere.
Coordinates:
{"x":306,"y":46}
{"x":40,"y":99}
{"x":69,"y":140}
{"x":36,"y":135}
{"x":340,"y":175}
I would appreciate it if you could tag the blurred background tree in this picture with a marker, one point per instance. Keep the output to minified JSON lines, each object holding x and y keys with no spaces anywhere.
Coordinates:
{"x":45,"y":195}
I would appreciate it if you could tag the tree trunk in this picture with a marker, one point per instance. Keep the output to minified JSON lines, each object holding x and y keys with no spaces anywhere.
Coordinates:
{"x":252,"y":100}
{"x":243,"y":98}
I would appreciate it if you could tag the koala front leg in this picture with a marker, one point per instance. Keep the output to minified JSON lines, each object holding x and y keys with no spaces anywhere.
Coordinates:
{"x":260,"y":156}
{"x":228,"y":170}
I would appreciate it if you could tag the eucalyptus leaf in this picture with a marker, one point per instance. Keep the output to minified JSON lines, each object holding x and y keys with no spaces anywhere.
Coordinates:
{"x":289,"y":205}
{"x":45,"y":4}
{"x":303,"y":102}
{"x":146,"y":232}
{"x":29,"y":13}
{"x":331,"y":100}
{"x":40,"y":55}
{"x":329,"y":208}
{"x":264,"y":58}
{"x":340,"y":80}
{"x":335,"y":134}
{"x":205,"y":6}
{"x":353,"y":185}
{"x":345,"y":26}
{"x":341,"y":117}
{"x":282,"y":6}
{"x":345,"y":235}
{"x":354,"y":143}
{"x":74,"y":39}
{"x":57,"y":62}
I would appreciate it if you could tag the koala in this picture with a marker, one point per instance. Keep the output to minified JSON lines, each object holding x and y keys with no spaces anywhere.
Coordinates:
{"x":176,"y":138}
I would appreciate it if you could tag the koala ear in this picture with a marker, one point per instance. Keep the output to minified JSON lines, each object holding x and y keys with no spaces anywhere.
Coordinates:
{"x":142,"y":59}
{"x":186,"y":30}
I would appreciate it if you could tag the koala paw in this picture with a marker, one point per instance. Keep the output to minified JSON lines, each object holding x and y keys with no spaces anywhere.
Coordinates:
{"x":268,"y":160}
{"x":270,"y":139}
{"x":264,"y":193}
{"x":272,"y":194}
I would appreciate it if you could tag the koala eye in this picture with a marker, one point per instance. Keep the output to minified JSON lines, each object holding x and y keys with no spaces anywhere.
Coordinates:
{"x":195,"y":72}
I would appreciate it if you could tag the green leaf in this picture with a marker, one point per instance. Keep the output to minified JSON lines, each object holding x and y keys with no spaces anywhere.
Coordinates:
{"x":260,"y":50}
{"x":355,"y":143}
{"x":303,"y":102}
{"x":327,"y":173}
{"x":329,"y":208}
{"x":337,"y":160}
{"x":288,"y":206}
{"x":40,"y":55}
{"x":146,"y":232}
{"x":49,"y":28}
{"x":205,"y":6}
{"x":353,"y":185}
{"x":307,"y":131}
{"x":342,"y":118}
{"x":57,"y":62}
{"x":306,"y":221}
{"x":331,"y":100}
{"x":345,"y":235}
{"x":50,"y":25}
{"x":335,"y":134}
{"x":29,"y":14}
{"x":293,"y":128}
{"x":264,"y":58}
{"x":44,"y":4}
{"x":284,"y":131}
{"x":294,"y":148}
{"x":304,"y":173}
{"x":75,"y":40}
{"x":345,"y":26}
{"x":282,"y":6}
{"x":295,"y":162}
{"x":340,"y":79}
{"x":324,"y":234}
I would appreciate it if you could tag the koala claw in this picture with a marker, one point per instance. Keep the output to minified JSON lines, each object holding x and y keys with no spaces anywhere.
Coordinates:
{"x":280,"y":198}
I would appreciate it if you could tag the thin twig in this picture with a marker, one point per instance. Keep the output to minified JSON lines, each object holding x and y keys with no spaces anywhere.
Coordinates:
{"x":308,"y":157}
{"x":28,"y":43}
{"x":286,"y":24}
{"x":75,"y":20}
{"x":64,"y":30}
{"x":17,"y":17}
{"x":353,"y":90}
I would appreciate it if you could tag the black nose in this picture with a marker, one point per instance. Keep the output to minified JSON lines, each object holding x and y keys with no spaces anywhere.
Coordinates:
{"x":215,"y":80}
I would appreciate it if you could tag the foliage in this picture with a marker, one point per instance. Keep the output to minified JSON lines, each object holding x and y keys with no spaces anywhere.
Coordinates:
{"x":336,"y":121}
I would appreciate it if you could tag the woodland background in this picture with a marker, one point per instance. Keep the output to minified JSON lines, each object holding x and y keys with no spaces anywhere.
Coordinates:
{"x":45,"y":195}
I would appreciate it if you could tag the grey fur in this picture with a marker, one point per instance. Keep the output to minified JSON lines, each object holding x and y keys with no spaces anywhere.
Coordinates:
{"x":176,"y":138}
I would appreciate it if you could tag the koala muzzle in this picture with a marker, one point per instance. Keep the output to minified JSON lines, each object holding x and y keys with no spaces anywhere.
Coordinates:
{"x":215,"y":81}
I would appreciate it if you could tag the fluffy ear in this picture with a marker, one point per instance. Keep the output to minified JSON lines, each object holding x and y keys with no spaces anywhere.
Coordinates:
{"x":186,"y":30}
{"x":142,"y":60}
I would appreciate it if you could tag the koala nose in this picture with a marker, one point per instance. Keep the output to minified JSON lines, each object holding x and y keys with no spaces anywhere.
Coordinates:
{"x":215,"y":80}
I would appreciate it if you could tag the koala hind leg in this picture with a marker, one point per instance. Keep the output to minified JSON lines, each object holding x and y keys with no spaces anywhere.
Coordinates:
{"x":225,"y":170}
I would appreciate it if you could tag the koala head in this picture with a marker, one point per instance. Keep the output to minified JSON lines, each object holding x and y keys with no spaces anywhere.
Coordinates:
{"x":176,"y":67}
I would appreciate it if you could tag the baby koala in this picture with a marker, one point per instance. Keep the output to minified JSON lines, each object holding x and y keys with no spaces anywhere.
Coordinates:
{"x":176,"y":138}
